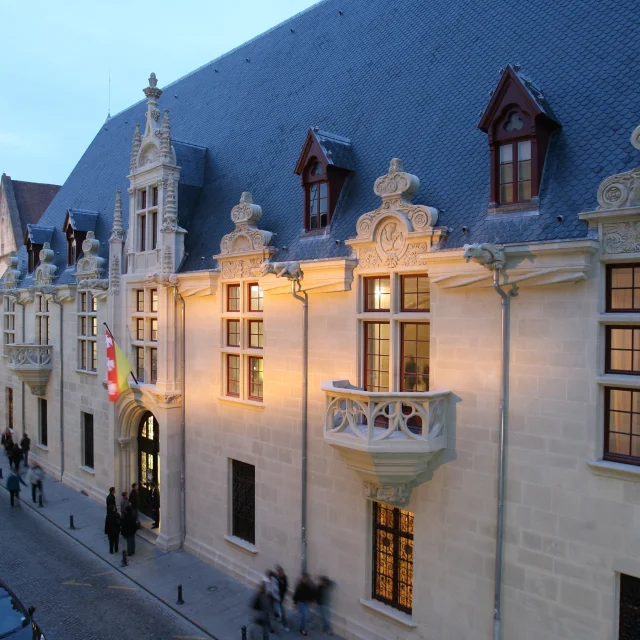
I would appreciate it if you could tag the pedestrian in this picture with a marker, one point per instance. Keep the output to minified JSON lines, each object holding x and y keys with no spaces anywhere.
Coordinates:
{"x":155,"y":505}
{"x":7,"y":441}
{"x":36,"y":476}
{"x":124,"y":503}
{"x":13,"y":485}
{"x":323,"y":596}
{"x":304,"y":594}
{"x":129,"y":530}
{"x":261,"y":609}
{"x":25,"y":445}
{"x":283,"y":585}
{"x":134,"y":501}
{"x":112,"y":528}
{"x":111,"y":498}
{"x":15,"y":457}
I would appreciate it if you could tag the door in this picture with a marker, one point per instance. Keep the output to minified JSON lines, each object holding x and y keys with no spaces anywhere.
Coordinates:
{"x":148,"y":460}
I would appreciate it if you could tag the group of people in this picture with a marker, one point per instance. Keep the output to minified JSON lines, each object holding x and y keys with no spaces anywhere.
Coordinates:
{"x":268,"y":603}
{"x":125,"y":522}
{"x":16,"y":452}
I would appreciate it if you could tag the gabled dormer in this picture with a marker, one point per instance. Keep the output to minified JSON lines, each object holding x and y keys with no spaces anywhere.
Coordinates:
{"x":518,"y":122}
{"x":77,"y":223}
{"x":323,"y":166}
{"x":34,"y":241}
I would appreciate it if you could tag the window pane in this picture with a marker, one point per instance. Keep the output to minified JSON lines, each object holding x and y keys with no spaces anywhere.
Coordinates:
{"x":256,"y":297}
{"x":83,"y":302}
{"x":154,"y":300}
{"x":506,"y":173}
{"x":255,"y":378}
{"x":143,"y":232}
{"x":140,"y":363}
{"x":233,"y":375}
{"x":506,"y":193}
{"x":415,"y":357}
{"x":377,"y":294}
{"x":255,"y":334}
{"x":140,"y":300}
{"x":93,"y":304}
{"x":415,"y":293}
{"x":233,"y":297}
{"x":233,"y":333}
{"x":154,"y":199}
{"x":376,"y":348}
{"x":620,"y":400}
{"x":623,"y":288}
{"x":94,"y":326}
{"x":154,"y":329}
{"x":243,"y":501}
{"x":154,"y":365}
{"x":524,"y":150}
{"x":139,"y":328}
{"x":93,"y":353}
{"x":506,"y":153}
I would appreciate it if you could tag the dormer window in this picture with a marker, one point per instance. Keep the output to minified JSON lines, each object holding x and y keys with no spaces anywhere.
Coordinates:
{"x":518,"y":122}
{"x":77,"y":224}
{"x":33,"y":253}
{"x":324,"y":164}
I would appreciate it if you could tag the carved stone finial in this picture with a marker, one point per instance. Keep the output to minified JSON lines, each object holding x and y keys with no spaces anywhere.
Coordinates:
{"x":246,"y":213}
{"x":12,"y":273}
{"x":246,"y":198}
{"x":91,"y":265}
{"x":395,"y":166}
{"x":46,"y":270}
{"x":486,"y":254}
{"x":165,"y":138}
{"x":396,"y":185}
{"x":635,"y":138}
{"x":117,"y":230}
{"x":152,"y":94}
{"x":246,"y":237}
{"x":135,"y":148}
{"x":170,"y":213}
{"x":153,"y":81}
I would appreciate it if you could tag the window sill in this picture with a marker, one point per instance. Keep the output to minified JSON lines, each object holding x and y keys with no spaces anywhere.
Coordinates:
{"x":249,"y":404}
{"x":86,"y":469}
{"x":42,"y":447}
{"x":241,"y":544}
{"x":325,"y":232}
{"x":530,"y":208}
{"x":622,"y":317}
{"x":619,"y":380}
{"x":615,"y":470}
{"x":390,"y":613}
{"x":87,"y":373}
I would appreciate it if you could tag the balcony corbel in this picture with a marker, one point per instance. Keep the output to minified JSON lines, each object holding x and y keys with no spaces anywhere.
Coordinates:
{"x":32,"y":363}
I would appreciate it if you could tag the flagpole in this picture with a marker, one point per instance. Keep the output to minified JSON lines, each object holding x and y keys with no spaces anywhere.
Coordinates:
{"x":111,"y":334}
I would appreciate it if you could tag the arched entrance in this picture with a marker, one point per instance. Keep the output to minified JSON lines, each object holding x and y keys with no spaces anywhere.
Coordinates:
{"x":148,"y":460}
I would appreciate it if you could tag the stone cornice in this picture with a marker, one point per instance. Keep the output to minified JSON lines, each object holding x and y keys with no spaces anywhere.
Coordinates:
{"x":320,"y":276}
{"x":527,"y":265}
{"x":609,"y":215}
{"x":198,"y":283}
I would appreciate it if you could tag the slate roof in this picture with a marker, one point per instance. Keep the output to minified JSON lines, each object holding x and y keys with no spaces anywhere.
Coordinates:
{"x":32,"y":199}
{"x":406,"y":80}
{"x":82,"y":220}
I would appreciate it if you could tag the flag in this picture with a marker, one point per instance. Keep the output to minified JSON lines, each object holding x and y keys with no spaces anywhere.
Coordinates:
{"x":118,"y":368}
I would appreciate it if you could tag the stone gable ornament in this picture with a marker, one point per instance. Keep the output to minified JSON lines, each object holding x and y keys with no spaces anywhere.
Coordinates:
{"x":246,"y":237}
{"x":12,"y":274}
{"x":117,"y":230}
{"x":623,"y":189}
{"x":91,"y":264}
{"x":46,"y":270}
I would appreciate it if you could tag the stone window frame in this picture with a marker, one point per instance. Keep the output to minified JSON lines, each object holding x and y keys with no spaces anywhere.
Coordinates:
{"x":87,"y":318}
{"x":43,"y":319}
{"x":43,"y":422}
{"x":239,"y":475}
{"x":145,"y":351}
{"x":241,"y":354}
{"x":395,"y":316}
{"x":8,"y":323}
{"x":146,"y":204}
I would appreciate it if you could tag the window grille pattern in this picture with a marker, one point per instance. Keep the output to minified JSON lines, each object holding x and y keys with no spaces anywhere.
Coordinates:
{"x":416,"y":293}
{"x":393,"y":556}
{"x":9,"y":323}
{"x":43,"y":422}
{"x":145,"y":334}
{"x":243,"y":501}
{"x":377,"y":294}
{"x":87,"y":331}
{"x":623,"y":288}
{"x":43,"y":319}
{"x":377,"y":356}
{"x":147,"y":215}
{"x":415,"y":356}
{"x":622,"y":426}
{"x":8,"y":396}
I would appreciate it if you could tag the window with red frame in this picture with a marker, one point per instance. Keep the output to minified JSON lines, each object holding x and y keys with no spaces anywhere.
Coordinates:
{"x":515,"y":172}
{"x":233,"y":297}
{"x":623,"y":288}
{"x":376,"y":356}
{"x":317,"y":196}
{"x":623,"y":350}
{"x":233,"y":333}
{"x":622,"y":426}
{"x":377,"y":293}
{"x":416,"y":293}
{"x":233,"y":375}
{"x":255,"y":297}
{"x":256,"y":380}
{"x":415,"y":356}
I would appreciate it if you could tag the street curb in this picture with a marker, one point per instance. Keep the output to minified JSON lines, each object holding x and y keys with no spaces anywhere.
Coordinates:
{"x":122,"y":573}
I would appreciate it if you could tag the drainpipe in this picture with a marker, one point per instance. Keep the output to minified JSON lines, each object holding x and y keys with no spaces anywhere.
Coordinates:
{"x":55,"y":299}
{"x":24,"y":311}
{"x":183,"y":444}
{"x":492,"y":257}
{"x":304,"y":298}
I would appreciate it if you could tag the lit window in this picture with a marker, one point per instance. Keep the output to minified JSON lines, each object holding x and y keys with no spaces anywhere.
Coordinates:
{"x":255,"y":378}
{"x":233,"y":333}
{"x":622,"y":426}
{"x":233,"y":375}
{"x":377,"y":294}
{"x":255,"y":334}
{"x":415,"y":293}
{"x":515,"y":172}
{"x":376,"y":356}
{"x":144,"y":329}
{"x":233,"y":297}
{"x":415,"y":357}
{"x":256,"y":297}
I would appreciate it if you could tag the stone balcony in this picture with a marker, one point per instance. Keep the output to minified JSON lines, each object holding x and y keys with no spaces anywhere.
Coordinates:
{"x":390,"y":439}
{"x":32,"y":364}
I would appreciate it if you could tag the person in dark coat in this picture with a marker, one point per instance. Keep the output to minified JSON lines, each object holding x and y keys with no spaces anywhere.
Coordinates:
{"x":283,"y":585}
{"x":155,"y":505}
{"x":112,"y":528}
{"x":304,"y":594}
{"x":7,"y":441}
{"x":111,"y":498}
{"x":15,"y":457}
{"x":13,"y":485}
{"x":129,"y":530}
{"x":323,"y":597}
{"x":25,"y":445}
{"x":262,"y":608}
{"x":134,"y":500}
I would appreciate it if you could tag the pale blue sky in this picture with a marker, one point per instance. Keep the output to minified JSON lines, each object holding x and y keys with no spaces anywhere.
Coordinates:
{"x":56,"y":57}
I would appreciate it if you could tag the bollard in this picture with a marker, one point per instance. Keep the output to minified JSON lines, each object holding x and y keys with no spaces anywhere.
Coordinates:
{"x":71,"y":525}
{"x":0,"y":473}
{"x":124,"y":558}
{"x":244,"y":633}
{"x":180,"y":600}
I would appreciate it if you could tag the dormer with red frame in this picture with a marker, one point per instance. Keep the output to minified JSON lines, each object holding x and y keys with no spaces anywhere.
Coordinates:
{"x":519,"y":123}
{"x":77,"y":224}
{"x":323,"y":166}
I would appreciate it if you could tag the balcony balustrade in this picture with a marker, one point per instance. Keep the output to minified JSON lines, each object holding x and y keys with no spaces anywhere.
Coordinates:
{"x":32,"y":363}
{"x":389,"y":438}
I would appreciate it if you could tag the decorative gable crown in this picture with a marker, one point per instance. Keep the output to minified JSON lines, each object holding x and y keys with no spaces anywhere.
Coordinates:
{"x":46,"y":270}
{"x":246,"y":237}
{"x":12,"y":273}
{"x":91,"y":265}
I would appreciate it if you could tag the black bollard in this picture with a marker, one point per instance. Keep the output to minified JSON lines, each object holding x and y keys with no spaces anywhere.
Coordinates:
{"x":180,"y":600}
{"x":71,"y":525}
{"x":124,"y":558}
{"x":244,"y":633}
{"x":0,"y":473}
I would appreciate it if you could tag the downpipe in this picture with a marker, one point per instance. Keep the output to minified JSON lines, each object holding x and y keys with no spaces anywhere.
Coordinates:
{"x":54,"y":297}
{"x":296,"y":290}
{"x":502,"y":468}
{"x":23,"y":400}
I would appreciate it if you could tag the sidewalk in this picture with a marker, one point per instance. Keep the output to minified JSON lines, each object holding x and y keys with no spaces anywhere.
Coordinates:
{"x":213,"y":601}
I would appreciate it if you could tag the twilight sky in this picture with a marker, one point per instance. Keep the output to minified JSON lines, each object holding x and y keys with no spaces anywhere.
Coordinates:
{"x":56,"y":58}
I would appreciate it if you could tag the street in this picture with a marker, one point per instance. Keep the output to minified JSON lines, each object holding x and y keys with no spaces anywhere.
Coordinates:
{"x":77,"y":596}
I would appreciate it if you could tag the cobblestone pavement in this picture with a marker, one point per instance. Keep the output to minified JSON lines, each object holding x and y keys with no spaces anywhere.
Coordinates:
{"x":77,"y":595}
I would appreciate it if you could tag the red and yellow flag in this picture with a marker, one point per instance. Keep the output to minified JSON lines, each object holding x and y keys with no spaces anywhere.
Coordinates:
{"x":118,"y":368}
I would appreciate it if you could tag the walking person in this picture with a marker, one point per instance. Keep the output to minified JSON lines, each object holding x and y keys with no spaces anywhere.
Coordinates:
{"x":13,"y":485}
{"x":323,"y":596}
{"x":155,"y":505}
{"x":261,"y":610}
{"x":7,"y":441}
{"x":36,"y":476}
{"x":15,"y":457}
{"x":134,"y":500}
{"x":25,"y":445}
{"x":111,"y":498}
{"x":124,"y":503}
{"x":304,"y":594}
{"x":283,"y":585}
{"x":129,"y":530}
{"x":112,"y":528}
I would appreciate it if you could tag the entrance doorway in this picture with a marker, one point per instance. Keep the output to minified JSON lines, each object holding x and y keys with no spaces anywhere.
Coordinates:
{"x":148,"y":461}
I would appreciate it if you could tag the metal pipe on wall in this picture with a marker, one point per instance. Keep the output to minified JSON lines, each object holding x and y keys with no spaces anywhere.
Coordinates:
{"x":305,"y":387}
{"x":23,"y":402}
{"x":55,"y":299}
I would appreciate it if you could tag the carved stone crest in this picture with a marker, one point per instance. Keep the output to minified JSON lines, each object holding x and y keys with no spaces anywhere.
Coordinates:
{"x":91,"y":264}
{"x":235,"y":269}
{"x":246,"y":237}
{"x":46,"y":270}
{"x":12,"y":274}
{"x":621,"y":237}
{"x":395,"y":495}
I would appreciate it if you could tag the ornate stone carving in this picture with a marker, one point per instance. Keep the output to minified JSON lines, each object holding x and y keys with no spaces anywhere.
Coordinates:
{"x":170,"y":213}
{"x":114,"y":276}
{"x":12,"y":274}
{"x":412,"y":257}
{"x":290,"y":270}
{"x":635,"y":138}
{"x":234,"y":269}
{"x":168,"y":399}
{"x":623,"y":189}
{"x":135,"y":149}
{"x":163,"y":279}
{"x":32,"y":364}
{"x":246,"y":237}
{"x":394,"y":495}
{"x":93,"y":283}
{"x":167,"y":260}
{"x":165,"y":138}
{"x":621,"y":237}
{"x":487,"y":255}
{"x":91,"y":264}
{"x":46,"y":270}
{"x":117,"y":230}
